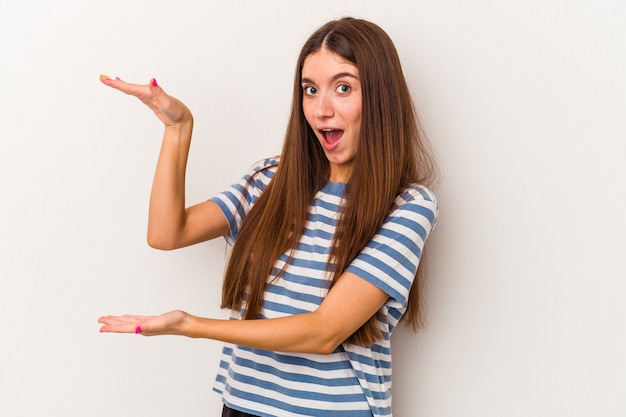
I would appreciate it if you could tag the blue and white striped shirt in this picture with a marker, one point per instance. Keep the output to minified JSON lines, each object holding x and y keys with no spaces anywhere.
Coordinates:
{"x":353,"y":381}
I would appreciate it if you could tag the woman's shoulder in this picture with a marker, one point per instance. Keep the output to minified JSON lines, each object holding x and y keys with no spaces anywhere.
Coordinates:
{"x":262,"y":172}
{"x":417,"y":199}
{"x":417,"y":193}
{"x":266,"y":164}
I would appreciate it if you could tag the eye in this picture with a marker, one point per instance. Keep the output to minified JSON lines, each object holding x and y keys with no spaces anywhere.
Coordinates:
{"x":309,"y":90}
{"x":343,"y":88}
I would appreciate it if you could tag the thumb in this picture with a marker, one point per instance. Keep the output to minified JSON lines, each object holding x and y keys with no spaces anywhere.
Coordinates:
{"x":157,"y":93}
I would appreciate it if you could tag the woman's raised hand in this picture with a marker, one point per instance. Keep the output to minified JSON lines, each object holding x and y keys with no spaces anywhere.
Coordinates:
{"x":168,"y":109}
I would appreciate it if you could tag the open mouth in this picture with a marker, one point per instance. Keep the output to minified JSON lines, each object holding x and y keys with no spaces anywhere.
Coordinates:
{"x":332,"y":135}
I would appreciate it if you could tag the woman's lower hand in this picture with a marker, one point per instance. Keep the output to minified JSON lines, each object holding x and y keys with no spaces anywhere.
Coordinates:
{"x":169,"y":323}
{"x":168,"y":109}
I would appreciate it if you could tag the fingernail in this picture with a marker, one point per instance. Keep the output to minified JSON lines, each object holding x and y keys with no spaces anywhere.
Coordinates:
{"x":154,"y":83}
{"x":105,"y":76}
{"x":118,"y":78}
{"x":138,"y":330}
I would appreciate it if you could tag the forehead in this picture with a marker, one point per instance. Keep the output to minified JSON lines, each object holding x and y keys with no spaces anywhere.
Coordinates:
{"x":326,"y":62}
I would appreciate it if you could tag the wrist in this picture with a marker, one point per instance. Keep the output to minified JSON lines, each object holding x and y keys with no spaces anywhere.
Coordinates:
{"x":179,"y":132}
{"x":189,"y":326}
{"x":183,"y":125}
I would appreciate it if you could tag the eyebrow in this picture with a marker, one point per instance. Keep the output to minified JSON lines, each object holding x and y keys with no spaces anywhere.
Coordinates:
{"x":335,"y":77}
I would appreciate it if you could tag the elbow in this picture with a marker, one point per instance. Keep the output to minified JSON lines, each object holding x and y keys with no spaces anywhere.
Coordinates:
{"x":326,"y":343}
{"x":315,"y":348}
{"x":327,"y":348}
{"x":325,"y":335}
{"x":158,"y":242}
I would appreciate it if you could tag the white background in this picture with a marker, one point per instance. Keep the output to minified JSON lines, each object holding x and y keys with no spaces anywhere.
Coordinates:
{"x":524,"y":101}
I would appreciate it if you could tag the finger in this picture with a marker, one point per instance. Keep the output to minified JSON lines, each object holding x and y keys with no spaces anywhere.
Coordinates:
{"x":156,"y":93}
{"x":112,"y":82}
{"x":141,"y":91}
{"x":126,"y":318}
{"x":106,"y":80}
{"x":113,"y":319}
{"x":118,"y":326}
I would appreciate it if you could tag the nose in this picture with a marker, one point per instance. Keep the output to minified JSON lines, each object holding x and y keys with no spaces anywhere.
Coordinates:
{"x":324,"y":107}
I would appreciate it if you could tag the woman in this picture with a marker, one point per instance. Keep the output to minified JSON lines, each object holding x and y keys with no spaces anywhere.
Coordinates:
{"x":327,"y":238}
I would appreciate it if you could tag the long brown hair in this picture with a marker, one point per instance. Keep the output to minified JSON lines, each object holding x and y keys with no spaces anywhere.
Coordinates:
{"x":392,"y":154}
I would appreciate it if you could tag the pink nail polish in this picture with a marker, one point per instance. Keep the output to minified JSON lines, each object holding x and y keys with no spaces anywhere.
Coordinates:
{"x":138,"y":330}
{"x":154,"y":83}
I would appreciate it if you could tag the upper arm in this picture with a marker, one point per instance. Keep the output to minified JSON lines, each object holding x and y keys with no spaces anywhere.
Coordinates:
{"x":203,"y":221}
{"x":350,"y":303}
{"x":384,"y":270}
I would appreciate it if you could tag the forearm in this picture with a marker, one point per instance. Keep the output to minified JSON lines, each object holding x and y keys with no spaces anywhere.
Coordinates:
{"x":166,"y":217}
{"x":349,"y":304}
{"x":305,"y":333}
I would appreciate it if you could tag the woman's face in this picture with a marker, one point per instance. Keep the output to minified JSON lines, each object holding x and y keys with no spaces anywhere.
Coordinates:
{"x":332,"y":107}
